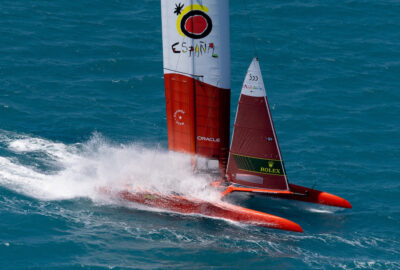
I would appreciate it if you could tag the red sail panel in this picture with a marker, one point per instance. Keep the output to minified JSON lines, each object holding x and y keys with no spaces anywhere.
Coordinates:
{"x":198,"y":118}
{"x":255,"y":158}
{"x":180,"y":97}
{"x":212,"y":123}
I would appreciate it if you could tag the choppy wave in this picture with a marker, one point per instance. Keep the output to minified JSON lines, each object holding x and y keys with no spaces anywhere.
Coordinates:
{"x":78,"y":170}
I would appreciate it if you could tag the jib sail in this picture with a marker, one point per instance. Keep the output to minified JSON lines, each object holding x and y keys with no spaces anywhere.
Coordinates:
{"x":255,"y":159}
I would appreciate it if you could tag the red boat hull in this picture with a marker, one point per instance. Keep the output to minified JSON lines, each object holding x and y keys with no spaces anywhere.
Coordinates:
{"x":296,"y":192}
{"x":185,"y":205}
{"x":317,"y":196}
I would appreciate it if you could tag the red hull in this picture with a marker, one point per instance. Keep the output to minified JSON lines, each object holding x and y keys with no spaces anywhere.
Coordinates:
{"x":316,"y":196}
{"x":224,"y":210}
{"x":298,"y":193}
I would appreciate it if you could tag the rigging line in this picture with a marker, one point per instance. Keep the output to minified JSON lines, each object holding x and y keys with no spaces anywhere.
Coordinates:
{"x":194,"y":101}
{"x":314,"y":185}
{"x":185,"y":73}
{"x":158,"y":136}
{"x":255,"y":52}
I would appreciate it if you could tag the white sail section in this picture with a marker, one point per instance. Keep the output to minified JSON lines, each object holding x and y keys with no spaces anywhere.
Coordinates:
{"x":253,"y":84}
{"x":196,"y":40}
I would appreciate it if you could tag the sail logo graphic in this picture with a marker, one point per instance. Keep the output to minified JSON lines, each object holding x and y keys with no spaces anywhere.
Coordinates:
{"x":208,"y":139}
{"x":253,"y":78}
{"x":193,"y":21}
{"x":178,"y":116}
{"x":259,"y":165}
{"x":251,"y":87}
{"x":271,"y":169}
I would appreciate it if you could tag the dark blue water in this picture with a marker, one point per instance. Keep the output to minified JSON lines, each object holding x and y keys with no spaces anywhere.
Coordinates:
{"x":82,"y":106}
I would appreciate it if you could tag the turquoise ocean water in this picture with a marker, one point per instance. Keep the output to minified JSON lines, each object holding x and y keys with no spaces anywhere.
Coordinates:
{"x":82,"y":106}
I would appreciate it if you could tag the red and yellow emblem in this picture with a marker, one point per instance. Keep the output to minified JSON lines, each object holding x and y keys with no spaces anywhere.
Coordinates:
{"x":193,"y":21}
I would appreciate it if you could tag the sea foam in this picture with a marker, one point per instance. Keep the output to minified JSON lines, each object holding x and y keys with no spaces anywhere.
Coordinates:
{"x":82,"y":169}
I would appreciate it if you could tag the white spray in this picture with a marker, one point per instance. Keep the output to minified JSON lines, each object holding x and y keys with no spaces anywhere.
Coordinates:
{"x":80,"y":170}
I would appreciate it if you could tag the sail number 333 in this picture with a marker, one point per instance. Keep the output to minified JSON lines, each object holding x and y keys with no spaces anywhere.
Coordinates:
{"x":253,"y":78}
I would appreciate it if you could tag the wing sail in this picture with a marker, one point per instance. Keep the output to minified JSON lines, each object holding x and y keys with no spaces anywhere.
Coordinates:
{"x":197,"y":76}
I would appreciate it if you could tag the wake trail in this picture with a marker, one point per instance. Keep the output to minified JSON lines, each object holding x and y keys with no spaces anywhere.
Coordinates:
{"x":80,"y":170}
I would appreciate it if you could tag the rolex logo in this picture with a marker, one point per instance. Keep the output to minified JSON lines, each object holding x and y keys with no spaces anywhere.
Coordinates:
{"x":270,"y":163}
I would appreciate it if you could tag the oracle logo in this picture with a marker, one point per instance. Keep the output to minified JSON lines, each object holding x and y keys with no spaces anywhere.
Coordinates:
{"x":207,"y":139}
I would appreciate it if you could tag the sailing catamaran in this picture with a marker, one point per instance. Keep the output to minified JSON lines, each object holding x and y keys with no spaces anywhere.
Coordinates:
{"x":196,"y":51}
